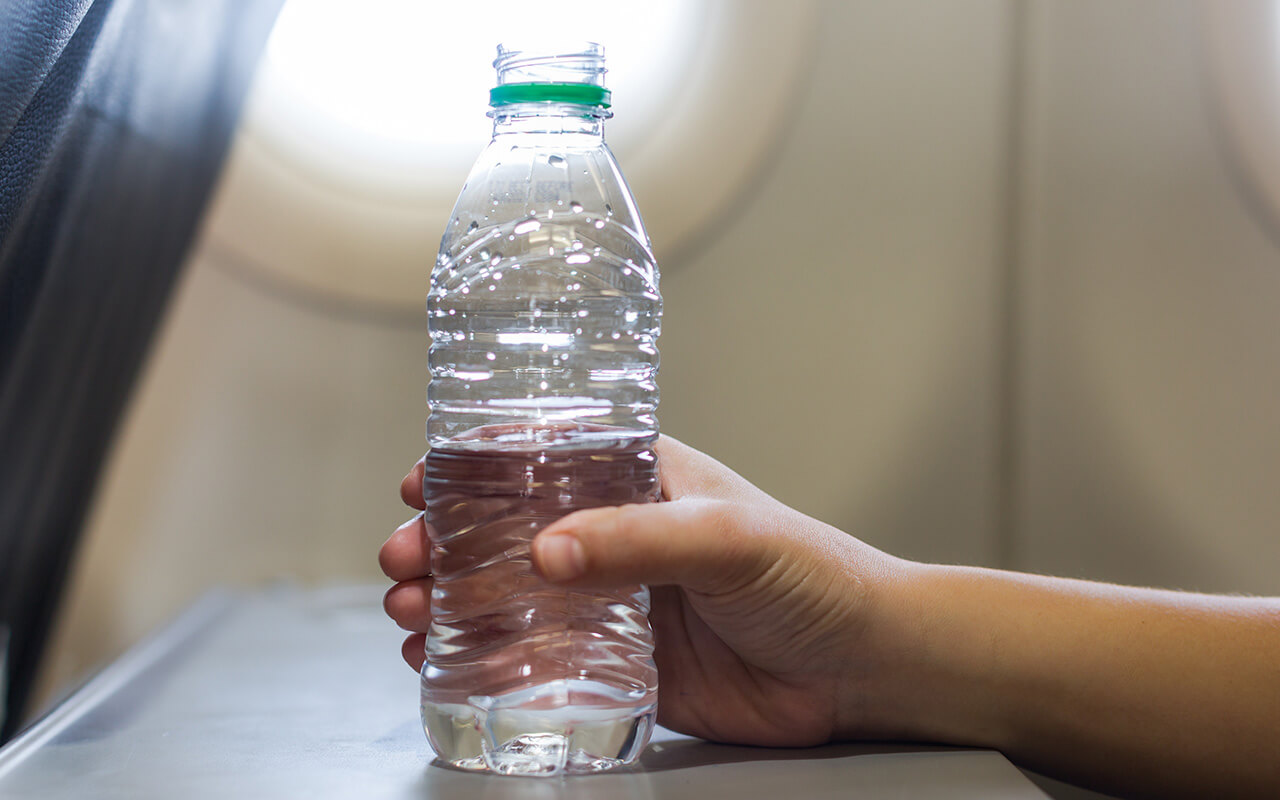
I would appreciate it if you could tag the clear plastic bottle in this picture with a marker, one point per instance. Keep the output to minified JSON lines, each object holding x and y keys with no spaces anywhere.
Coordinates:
{"x":544,"y":316}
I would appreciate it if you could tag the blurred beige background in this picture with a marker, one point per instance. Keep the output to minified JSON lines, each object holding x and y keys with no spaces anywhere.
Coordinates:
{"x":995,"y":298}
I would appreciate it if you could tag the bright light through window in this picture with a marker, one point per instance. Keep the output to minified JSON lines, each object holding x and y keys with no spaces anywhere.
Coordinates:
{"x":402,"y":85}
{"x":365,"y":116}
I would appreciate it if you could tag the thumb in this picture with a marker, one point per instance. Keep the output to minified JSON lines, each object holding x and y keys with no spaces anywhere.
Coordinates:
{"x":696,"y":543}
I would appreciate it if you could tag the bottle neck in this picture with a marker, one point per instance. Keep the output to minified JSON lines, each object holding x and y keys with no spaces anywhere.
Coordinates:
{"x":546,"y":118}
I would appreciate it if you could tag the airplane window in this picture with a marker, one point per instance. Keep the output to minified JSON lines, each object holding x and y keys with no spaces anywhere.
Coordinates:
{"x":364,"y":119}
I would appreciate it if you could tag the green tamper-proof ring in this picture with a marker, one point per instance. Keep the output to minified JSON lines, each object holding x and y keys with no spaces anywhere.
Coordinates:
{"x":582,"y":94}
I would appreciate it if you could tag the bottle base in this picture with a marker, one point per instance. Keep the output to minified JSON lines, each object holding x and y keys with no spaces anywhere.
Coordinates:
{"x":483,"y":736}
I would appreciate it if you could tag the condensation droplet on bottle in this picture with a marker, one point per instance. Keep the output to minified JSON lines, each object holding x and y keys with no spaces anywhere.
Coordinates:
{"x":495,"y":261}
{"x":537,"y":312}
{"x":555,"y":161}
{"x":617,"y":335}
{"x":582,"y":312}
{"x":599,"y":224}
{"x":575,"y":206}
{"x":490,"y":356}
{"x":608,"y":209}
{"x":542,"y":385}
{"x":630,"y":316}
{"x":473,"y":227}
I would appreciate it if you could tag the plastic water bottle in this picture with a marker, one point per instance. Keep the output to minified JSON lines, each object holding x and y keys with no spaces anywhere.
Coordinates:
{"x":544,"y":316}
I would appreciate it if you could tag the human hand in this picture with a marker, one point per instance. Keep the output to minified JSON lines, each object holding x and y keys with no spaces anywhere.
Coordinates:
{"x":772,"y":628}
{"x":762,"y":616}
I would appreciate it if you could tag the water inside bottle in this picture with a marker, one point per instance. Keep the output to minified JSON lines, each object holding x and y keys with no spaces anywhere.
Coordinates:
{"x":523,"y":677}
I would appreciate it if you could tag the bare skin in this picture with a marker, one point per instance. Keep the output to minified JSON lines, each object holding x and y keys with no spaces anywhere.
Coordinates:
{"x":772,"y":628}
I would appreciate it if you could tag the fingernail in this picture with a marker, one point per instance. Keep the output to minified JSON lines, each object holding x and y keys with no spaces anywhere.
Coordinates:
{"x":561,"y":557}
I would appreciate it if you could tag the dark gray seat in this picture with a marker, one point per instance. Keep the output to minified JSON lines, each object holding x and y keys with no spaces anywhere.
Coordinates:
{"x":115,"y":116}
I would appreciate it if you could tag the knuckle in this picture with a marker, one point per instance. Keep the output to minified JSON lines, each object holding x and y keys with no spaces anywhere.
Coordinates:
{"x":612,"y":538}
{"x":630,"y":529}
{"x":626,"y":520}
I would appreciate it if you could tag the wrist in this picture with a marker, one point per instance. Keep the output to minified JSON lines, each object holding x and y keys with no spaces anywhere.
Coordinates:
{"x":926,"y":675}
{"x":878,"y":691}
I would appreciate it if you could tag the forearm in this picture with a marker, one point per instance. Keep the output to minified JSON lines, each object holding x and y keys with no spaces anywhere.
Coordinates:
{"x":1127,"y":689}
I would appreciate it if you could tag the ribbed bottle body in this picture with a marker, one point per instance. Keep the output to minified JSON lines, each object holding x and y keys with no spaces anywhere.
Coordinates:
{"x":544,"y":303}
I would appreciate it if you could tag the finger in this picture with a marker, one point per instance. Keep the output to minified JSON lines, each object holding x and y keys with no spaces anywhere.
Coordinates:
{"x":686,"y":472}
{"x":409,"y":604}
{"x":414,"y":650}
{"x":695,"y":543}
{"x":411,"y":487}
{"x":406,"y":554}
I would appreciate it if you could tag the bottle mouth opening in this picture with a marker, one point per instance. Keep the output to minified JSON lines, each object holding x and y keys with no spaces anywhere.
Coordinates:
{"x":550,"y":62}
